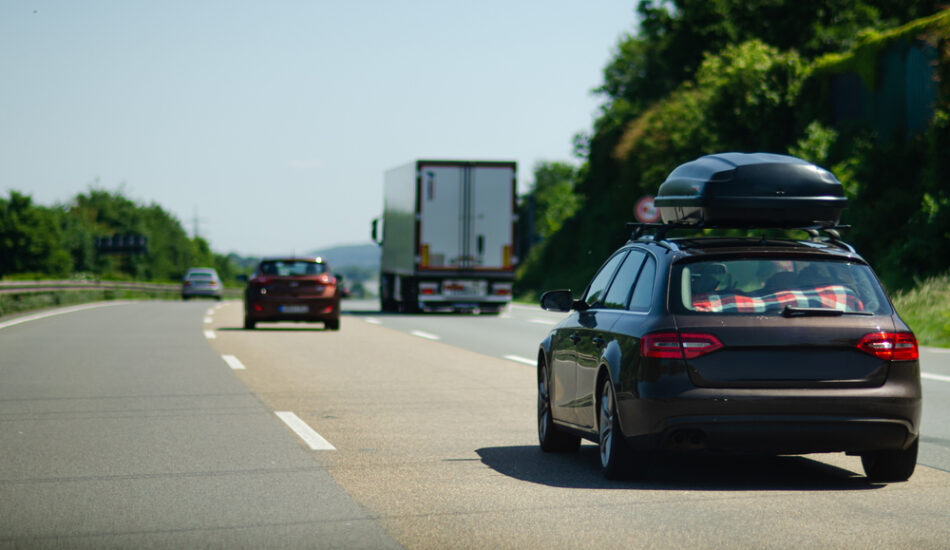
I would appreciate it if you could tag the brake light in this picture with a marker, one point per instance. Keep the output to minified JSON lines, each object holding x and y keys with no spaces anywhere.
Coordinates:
{"x":890,"y":346}
{"x":673,"y":345}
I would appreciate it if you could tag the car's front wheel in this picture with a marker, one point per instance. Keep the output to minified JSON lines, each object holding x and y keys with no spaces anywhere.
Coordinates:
{"x":891,"y":465}
{"x":551,"y":439}
{"x":614,"y":453}
{"x":249,"y":324}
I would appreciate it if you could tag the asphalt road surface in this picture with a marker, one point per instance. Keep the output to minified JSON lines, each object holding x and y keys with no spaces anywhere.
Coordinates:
{"x":163,"y":424}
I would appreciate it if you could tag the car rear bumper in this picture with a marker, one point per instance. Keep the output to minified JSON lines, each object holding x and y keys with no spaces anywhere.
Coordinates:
{"x":201,"y":292}
{"x":316,"y":309}
{"x":813,"y":421}
{"x":783,"y":435}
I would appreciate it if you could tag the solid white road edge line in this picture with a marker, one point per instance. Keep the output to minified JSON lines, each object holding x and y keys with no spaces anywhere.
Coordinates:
{"x":425,"y":335}
{"x":373,"y":321}
{"x":62,"y":311}
{"x":939,"y":377}
{"x":209,"y":334}
{"x":233,"y":362}
{"x":519,"y":359}
{"x":313,"y":440}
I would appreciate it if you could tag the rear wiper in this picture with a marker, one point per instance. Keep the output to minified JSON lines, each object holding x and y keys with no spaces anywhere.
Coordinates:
{"x":792,"y":311}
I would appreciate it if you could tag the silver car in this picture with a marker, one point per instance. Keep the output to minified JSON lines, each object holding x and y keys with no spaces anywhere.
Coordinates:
{"x":201,"y":281}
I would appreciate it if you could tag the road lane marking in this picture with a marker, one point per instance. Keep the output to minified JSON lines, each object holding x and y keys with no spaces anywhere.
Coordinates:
{"x":939,"y":377}
{"x":373,"y":321}
{"x":425,"y":335}
{"x":209,"y":334}
{"x":233,"y":362}
{"x":542,"y":321}
{"x":519,"y":359}
{"x":62,"y":311}
{"x":313,"y":440}
{"x":208,"y":320}
{"x":210,"y":311}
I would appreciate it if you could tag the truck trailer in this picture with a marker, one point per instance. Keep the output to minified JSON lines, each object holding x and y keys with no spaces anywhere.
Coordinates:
{"x":448,"y":236}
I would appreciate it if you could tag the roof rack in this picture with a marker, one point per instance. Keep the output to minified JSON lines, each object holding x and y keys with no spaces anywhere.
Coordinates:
{"x":656,"y":232}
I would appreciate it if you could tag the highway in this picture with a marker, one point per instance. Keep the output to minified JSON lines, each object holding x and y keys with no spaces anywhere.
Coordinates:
{"x":164,"y":424}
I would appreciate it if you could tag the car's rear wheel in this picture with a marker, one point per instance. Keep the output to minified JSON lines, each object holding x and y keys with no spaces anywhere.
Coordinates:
{"x":891,"y":465}
{"x":249,"y":324}
{"x":552,"y":440}
{"x":614,"y":454}
{"x":332,"y":324}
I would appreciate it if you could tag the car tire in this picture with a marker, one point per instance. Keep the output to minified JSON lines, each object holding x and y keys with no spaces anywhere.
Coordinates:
{"x":332,"y":325}
{"x":615,"y":456}
{"x":551,"y":439}
{"x":890,"y":465}
{"x":249,"y":324}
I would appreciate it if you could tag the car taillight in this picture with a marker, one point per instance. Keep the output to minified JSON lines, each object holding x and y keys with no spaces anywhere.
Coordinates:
{"x":890,"y":346}
{"x":673,"y":345}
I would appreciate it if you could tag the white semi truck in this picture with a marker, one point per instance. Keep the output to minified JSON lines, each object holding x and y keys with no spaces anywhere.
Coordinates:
{"x":448,"y":236}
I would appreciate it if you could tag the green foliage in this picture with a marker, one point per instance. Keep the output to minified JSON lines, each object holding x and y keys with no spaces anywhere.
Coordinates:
{"x":924,"y":309}
{"x":30,"y":237}
{"x":704,"y":76}
{"x":60,"y":240}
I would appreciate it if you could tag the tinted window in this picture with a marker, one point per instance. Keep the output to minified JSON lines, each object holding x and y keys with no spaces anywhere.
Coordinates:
{"x":292,"y":268}
{"x":597,"y":287}
{"x":767,"y":286}
{"x":643,"y":293}
{"x":620,"y":289}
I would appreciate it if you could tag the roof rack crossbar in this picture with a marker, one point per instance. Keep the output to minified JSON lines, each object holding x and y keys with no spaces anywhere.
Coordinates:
{"x":641,"y":231}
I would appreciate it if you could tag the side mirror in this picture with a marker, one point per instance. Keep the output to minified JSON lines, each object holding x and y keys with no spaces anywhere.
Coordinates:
{"x":374,"y":232}
{"x":557,"y":300}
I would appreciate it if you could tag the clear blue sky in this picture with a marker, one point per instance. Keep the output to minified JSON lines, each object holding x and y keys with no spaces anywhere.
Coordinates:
{"x":275,"y":121}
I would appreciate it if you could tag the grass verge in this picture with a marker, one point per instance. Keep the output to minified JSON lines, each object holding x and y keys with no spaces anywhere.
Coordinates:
{"x":926,"y":308}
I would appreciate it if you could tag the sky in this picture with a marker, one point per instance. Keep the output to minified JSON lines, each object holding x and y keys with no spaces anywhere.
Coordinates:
{"x":271,"y":123}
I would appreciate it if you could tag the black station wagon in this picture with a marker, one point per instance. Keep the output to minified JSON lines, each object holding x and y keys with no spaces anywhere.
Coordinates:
{"x":721,"y":343}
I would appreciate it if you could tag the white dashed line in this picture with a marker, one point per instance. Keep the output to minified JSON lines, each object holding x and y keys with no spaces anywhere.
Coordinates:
{"x":62,"y":311}
{"x":208,"y":320}
{"x":519,"y":359}
{"x":210,"y":311}
{"x":233,"y":362}
{"x":209,"y":334}
{"x":373,"y":321}
{"x":542,"y":321}
{"x":425,"y":335}
{"x":940,"y":377}
{"x":314,"y":440}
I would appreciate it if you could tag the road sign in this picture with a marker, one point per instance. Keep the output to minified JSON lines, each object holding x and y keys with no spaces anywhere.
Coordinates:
{"x":645,"y":211}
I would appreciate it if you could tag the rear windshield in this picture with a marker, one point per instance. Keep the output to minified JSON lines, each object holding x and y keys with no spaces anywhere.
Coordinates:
{"x":767,"y":286}
{"x":199,"y":275}
{"x":291,"y":268}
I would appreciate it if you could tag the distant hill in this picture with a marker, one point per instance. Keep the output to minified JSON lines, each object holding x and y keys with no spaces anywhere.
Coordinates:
{"x":363,"y":256}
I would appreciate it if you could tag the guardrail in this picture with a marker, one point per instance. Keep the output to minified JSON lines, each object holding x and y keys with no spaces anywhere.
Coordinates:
{"x":34,"y":287}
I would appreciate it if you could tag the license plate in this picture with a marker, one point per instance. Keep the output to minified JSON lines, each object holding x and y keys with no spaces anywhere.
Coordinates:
{"x":464,"y":288}
{"x":294,"y":309}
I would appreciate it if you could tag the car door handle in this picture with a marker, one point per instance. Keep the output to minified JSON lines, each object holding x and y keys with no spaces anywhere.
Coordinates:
{"x":575,"y":338}
{"x":598,"y":341}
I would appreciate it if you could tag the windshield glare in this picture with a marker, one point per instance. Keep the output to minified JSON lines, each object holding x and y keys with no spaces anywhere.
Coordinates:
{"x":768,"y":286}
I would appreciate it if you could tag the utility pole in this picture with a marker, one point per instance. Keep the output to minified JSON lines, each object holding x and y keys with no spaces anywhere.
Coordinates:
{"x":196,"y":221}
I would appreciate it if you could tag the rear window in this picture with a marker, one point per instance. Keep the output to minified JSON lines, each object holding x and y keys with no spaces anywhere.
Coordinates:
{"x":199,"y":275}
{"x":291,"y":268}
{"x":767,"y":286}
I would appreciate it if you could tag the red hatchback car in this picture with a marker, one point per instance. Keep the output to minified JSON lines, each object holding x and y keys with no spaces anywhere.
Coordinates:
{"x":292,"y":289}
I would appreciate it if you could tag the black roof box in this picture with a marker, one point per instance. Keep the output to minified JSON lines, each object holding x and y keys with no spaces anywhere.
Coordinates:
{"x":751,"y":190}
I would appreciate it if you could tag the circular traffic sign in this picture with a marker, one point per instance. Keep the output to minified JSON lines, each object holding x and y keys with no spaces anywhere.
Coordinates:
{"x":645,"y":211}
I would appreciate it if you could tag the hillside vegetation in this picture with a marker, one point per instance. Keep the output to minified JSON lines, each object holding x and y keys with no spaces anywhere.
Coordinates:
{"x":858,"y":87}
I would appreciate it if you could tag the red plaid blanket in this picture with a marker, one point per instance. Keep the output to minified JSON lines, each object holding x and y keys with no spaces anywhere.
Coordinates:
{"x":831,"y":297}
